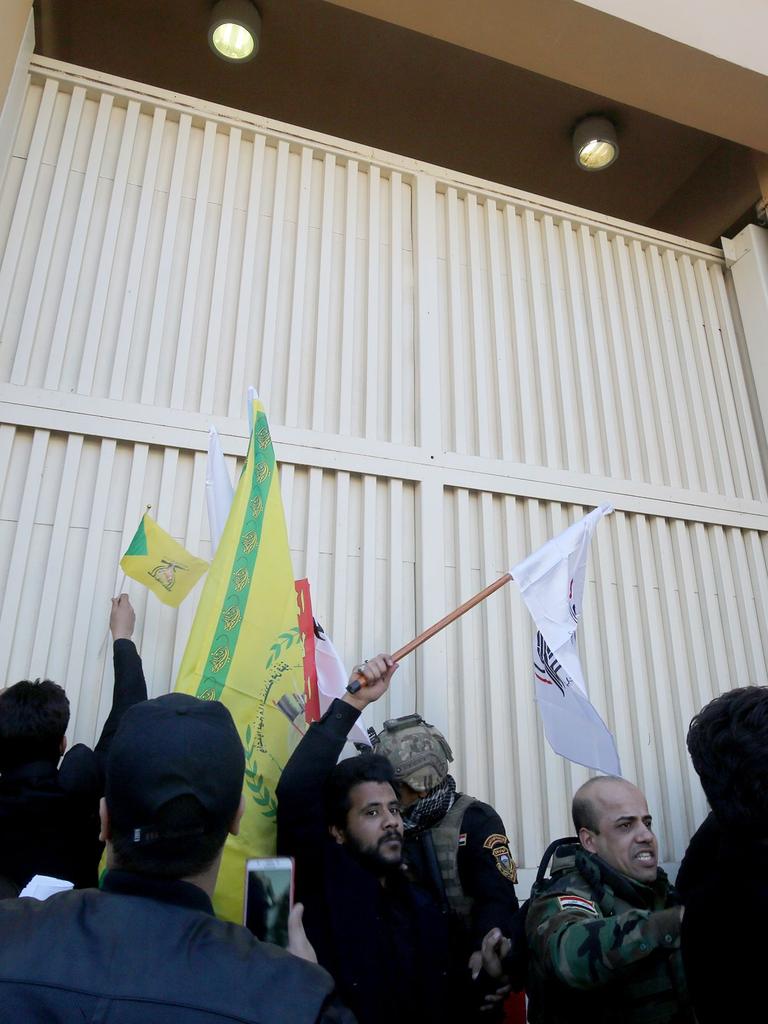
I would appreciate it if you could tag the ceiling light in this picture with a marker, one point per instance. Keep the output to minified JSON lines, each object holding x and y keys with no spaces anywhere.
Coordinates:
{"x":235,"y":30}
{"x":595,"y":146}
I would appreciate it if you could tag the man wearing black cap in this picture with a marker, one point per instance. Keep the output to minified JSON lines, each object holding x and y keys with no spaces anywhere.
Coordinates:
{"x":147,"y":947}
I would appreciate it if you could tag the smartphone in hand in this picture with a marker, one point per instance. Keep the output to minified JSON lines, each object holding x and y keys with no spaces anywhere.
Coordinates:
{"x":269,"y":898}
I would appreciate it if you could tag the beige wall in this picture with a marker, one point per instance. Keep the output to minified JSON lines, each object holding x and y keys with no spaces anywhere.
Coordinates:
{"x":735,"y":31}
{"x":17,"y":41}
{"x":15,"y":15}
{"x":453,"y":372}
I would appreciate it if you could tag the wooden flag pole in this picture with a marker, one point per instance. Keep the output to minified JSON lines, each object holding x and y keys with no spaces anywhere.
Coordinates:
{"x":355,"y":684}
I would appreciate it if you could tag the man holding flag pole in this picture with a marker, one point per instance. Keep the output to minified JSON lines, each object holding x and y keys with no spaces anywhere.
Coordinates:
{"x":383,"y":940}
{"x":219,"y":663}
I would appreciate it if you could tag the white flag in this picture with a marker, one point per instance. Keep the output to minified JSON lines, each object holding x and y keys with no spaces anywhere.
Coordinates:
{"x":218,"y":489}
{"x":332,"y":680}
{"x":551,"y":582}
{"x":250,"y":398}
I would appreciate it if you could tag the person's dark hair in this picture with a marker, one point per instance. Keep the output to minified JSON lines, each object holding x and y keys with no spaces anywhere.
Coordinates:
{"x":186,"y":844}
{"x":583,"y":809}
{"x":33,"y":719}
{"x":728,"y":744}
{"x":350,"y":773}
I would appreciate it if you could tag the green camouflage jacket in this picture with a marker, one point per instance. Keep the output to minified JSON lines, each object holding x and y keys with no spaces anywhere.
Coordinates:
{"x":604,"y":948}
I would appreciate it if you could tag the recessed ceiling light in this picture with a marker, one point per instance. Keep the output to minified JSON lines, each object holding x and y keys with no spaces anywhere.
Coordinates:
{"x":595,"y":146}
{"x":235,"y":30}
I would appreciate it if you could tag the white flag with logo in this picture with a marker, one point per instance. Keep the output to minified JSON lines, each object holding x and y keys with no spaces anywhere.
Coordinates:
{"x":551,"y":583}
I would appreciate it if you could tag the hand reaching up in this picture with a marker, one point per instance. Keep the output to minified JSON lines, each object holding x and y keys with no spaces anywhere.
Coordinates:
{"x":122,"y":618}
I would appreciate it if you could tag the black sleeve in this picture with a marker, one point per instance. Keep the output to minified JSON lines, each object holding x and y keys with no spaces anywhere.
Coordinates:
{"x":80,"y":774}
{"x":696,"y":866}
{"x":487,"y":871}
{"x":335,"y":1012}
{"x":130,"y":688}
{"x":300,"y":791}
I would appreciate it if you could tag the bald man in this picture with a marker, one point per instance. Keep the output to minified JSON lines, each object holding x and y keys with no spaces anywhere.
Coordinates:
{"x":604,"y":932}
{"x":605,"y":938}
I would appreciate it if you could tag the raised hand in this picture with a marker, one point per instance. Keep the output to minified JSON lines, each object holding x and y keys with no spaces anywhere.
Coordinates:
{"x":122,"y":618}
{"x":376,"y":675}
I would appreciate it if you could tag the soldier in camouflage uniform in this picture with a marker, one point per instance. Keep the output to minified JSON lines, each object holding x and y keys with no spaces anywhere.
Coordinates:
{"x":455,"y":845}
{"x":604,"y":937}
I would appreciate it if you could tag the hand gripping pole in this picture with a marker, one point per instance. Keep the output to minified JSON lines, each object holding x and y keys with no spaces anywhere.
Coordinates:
{"x":357,"y":681}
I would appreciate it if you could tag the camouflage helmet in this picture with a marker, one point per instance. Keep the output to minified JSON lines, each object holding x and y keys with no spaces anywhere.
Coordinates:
{"x":417,"y":751}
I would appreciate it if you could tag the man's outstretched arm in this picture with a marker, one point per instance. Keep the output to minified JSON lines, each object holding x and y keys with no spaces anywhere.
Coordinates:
{"x":584,"y":950}
{"x":130,"y":686}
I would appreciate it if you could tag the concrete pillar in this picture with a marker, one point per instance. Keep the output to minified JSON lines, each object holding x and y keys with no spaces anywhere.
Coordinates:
{"x":746,"y":256}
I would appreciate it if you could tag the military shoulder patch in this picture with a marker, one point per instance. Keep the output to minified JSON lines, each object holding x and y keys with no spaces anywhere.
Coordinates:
{"x":495,"y":840}
{"x":504,"y":863}
{"x":463,"y":839}
{"x":581,"y":905}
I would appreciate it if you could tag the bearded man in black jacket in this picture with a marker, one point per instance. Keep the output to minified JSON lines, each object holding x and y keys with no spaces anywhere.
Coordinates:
{"x":382,"y":938}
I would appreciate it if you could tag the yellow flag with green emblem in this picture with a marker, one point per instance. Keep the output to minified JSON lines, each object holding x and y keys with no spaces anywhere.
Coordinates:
{"x":246,"y":651}
{"x":159,"y":562}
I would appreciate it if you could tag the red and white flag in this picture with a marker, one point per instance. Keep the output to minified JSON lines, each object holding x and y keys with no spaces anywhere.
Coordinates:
{"x":332,"y":680}
{"x":551,"y":583}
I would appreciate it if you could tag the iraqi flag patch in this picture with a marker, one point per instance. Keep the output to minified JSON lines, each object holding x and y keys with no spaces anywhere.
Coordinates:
{"x":579,"y":904}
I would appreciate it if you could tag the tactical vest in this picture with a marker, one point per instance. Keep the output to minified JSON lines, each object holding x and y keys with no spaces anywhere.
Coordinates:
{"x":445,"y":840}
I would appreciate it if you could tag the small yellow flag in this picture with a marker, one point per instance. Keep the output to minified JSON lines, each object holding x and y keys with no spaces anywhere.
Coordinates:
{"x":155,"y":559}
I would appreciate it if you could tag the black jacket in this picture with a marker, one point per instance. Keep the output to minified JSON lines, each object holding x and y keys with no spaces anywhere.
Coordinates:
{"x":706,"y":846}
{"x":723,"y":930}
{"x":49,"y":816}
{"x":149,"y":950}
{"x":386,"y":947}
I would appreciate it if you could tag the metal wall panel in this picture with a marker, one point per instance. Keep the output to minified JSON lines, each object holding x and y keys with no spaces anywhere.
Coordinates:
{"x":165,"y":260}
{"x":578,"y":348}
{"x":453,"y":372}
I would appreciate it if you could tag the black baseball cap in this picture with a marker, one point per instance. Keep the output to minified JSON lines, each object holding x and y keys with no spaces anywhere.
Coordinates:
{"x":173,"y":746}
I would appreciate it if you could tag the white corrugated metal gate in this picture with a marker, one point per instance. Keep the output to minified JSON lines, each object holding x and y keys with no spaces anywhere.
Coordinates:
{"x":453,"y":372}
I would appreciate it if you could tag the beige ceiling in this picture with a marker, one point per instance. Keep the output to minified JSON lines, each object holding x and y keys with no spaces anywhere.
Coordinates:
{"x":335,"y":70}
{"x":587,"y":48}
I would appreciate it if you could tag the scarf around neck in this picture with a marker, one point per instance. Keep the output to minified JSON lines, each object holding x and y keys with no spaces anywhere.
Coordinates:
{"x":431,"y":808}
